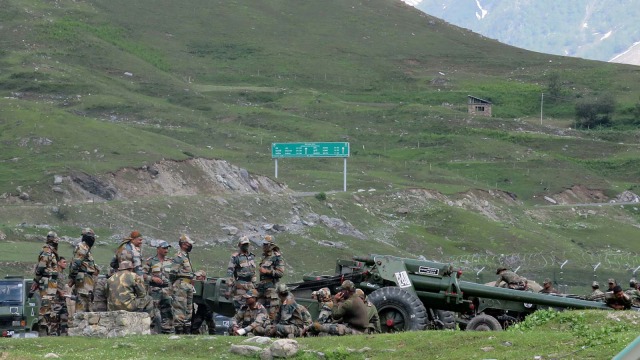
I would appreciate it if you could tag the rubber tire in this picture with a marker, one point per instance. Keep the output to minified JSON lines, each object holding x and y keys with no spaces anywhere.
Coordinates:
{"x":448,"y":318}
{"x":401,"y":307}
{"x":484,"y":322}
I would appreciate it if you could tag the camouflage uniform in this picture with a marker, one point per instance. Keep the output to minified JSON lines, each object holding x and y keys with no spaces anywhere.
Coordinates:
{"x":242,"y":274}
{"x":161,"y":294}
{"x":513,"y":280}
{"x":61,"y":307}
{"x":273,"y":263}
{"x":125,"y":291}
{"x":47,"y":278}
{"x":633,"y":293}
{"x":291,"y":321}
{"x":612,"y":300}
{"x":127,"y":252}
{"x":100,"y":294}
{"x":596,"y":295}
{"x":82,"y":272}
{"x":252,"y":321}
{"x":182,"y":289}
{"x":351,"y":317}
{"x":326,"y":309}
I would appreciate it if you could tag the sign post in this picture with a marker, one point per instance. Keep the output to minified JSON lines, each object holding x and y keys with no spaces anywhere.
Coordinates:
{"x":311,"y":150}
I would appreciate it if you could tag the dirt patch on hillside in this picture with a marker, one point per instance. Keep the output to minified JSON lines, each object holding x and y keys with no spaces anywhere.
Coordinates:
{"x":188,"y":177}
{"x":579,"y":194}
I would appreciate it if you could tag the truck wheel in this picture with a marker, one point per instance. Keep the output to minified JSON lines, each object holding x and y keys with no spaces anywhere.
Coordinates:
{"x":447,"y":318}
{"x":484,"y":322}
{"x":399,"y":310}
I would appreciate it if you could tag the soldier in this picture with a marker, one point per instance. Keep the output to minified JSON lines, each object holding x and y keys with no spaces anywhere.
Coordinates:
{"x":202,"y":312}
{"x":612,"y":283}
{"x":83,"y":271}
{"x":125,"y":291}
{"x":241,"y":272}
{"x":129,"y":250}
{"x":325,"y":302}
{"x":372,"y":312}
{"x":271,"y":271}
{"x":596,"y":293}
{"x":100,"y":294}
{"x":46,"y":281}
{"x":62,"y":304}
{"x":617,"y":299}
{"x":350,"y":314}
{"x":512,"y":280}
{"x":156,"y":271}
{"x":292,"y":319}
{"x":251,"y":318}
{"x":182,"y":289}
{"x":633,"y":292}
{"x":547,"y":287}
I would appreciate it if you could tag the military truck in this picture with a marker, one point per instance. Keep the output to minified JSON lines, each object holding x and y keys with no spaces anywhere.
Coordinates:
{"x":18,"y":313}
{"x":416,"y":295}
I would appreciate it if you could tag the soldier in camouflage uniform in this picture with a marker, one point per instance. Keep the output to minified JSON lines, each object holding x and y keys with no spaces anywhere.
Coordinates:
{"x":372,"y":312}
{"x":83,"y":271}
{"x":512,"y":280}
{"x":64,"y":292}
{"x":633,"y":292}
{"x":271,"y":271}
{"x":596,"y":293}
{"x":129,"y":250}
{"x":46,"y":281}
{"x":182,"y":289}
{"x":350,"y":314}
{"x":251,"y":318}
{"x":156,"y":270}
{"x":241,"y":272}
{"x":325,"y":302}
{"x":100,"y":294}
{"x":292,"y":318}
{"x":125,"y":291}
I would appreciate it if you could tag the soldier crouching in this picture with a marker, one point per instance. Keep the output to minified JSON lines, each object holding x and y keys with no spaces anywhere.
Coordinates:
{"x":292,"y":318}
{"x":251,"y":317}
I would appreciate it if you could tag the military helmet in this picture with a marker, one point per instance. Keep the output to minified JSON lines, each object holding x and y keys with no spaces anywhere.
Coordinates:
{"x":184,"y":238}
{"x":124,"y":265}
{"x":243,"y":240}
{"x":251,"y":293}
{"x":52,"y":238}
{"x":348,"y":285}
{"x":282,"y":289}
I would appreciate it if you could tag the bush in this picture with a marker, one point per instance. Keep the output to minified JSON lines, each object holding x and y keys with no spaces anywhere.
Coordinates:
{"x":321,"y":196}
{"x":592,"y":113}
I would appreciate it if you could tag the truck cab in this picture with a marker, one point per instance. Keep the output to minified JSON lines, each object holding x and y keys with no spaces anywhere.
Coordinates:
{"x":18,"y":312}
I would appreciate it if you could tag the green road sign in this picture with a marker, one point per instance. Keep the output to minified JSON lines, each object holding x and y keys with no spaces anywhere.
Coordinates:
{"x":312,"y":149}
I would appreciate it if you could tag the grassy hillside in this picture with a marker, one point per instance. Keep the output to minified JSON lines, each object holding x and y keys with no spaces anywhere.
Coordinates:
{"x":98,"y":86}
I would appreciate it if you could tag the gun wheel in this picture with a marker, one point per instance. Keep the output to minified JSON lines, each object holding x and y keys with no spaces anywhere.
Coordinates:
{"x":484,"y":322}
{"x":399,"y":310}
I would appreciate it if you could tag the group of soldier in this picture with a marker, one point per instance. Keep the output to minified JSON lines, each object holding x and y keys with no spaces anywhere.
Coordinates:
{"x":615,"y":296}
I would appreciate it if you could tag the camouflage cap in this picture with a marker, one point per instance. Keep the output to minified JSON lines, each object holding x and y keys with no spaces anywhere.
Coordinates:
{"x":52,"y":234}
{"x":200,"y":273}
{"x":633,"y":281}
{"x":268,"y":240}
{"x":243,"y":240}
{"x":163,"y":244}
{"x":500,"y":269}
{"x":612,"y":281}
{"x":595,"y":284}
{"x":88,"y":232}
{"x":124,"y":265}
{"x":547,"y":281}
{"x":185,"y":238}
{"x":348,"y":285}
{"x":282,"y":289}
{"x":251,"y":293}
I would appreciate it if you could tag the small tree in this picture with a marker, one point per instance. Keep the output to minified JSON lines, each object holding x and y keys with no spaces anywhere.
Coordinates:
{"x":595,"y":112}
{"x":554,"y":87}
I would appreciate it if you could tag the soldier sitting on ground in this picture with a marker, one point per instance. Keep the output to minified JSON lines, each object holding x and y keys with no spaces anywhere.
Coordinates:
{"x":125,"y":291}
{"x":547,"y":287}
{"x":325,"y":302}
{"x":292,"y":318}
{"x":512,"y":280}
{"x":252,"y":317}
{"x":596,"y":293}
{"x":350,"y":314}
{"x":633,"y":292}
{"x":372,"y":311}
{"x":617,"y":299}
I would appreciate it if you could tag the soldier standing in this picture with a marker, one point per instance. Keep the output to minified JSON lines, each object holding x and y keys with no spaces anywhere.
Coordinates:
{"x":271,"y":271}
{"x":129,"y":250}
{"x":251,"y":318}
{"x":125,"y":291}
{"x":292,"y":318}
{"x":62,"y":306}
{"x":156,"y":271}
{"x":83,"y":270}
{"x":182,"y":276}
{"x":241,"y":272}
{"x":596,"y":293}
{"x":46,"y":281}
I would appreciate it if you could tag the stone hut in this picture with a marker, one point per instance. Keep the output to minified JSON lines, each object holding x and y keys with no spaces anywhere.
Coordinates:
{"x":477,"y":106}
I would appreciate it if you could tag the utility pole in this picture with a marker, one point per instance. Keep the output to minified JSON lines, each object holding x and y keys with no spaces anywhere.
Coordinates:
{"x":541,"y":102}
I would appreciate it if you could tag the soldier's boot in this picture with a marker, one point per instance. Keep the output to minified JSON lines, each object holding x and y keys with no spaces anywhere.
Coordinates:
{"x":186,"y":329}
{"x":178,"y":330}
